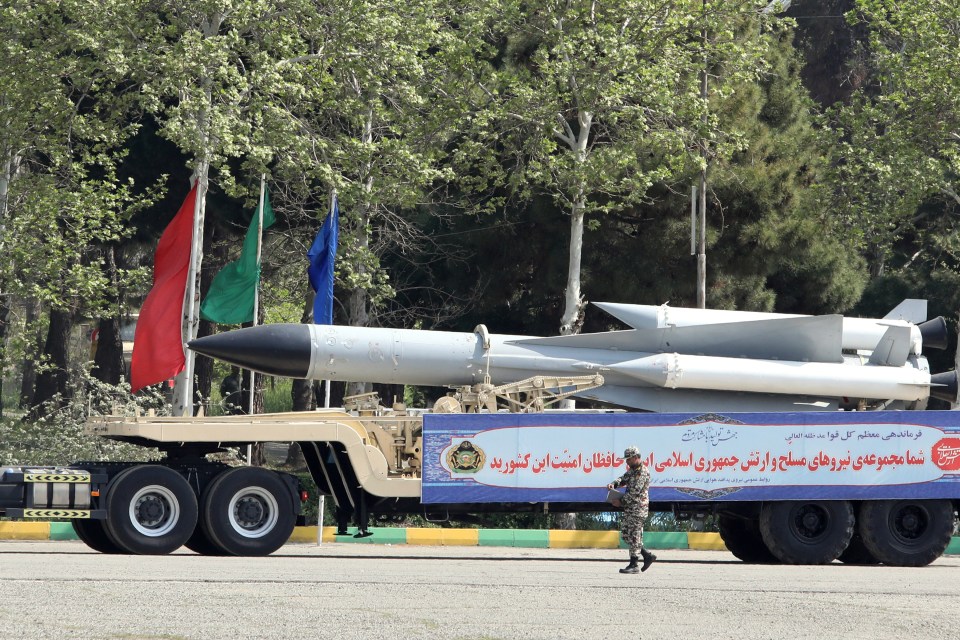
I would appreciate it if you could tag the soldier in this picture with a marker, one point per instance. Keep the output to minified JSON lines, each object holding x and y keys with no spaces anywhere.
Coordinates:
{"x":636,"y":506}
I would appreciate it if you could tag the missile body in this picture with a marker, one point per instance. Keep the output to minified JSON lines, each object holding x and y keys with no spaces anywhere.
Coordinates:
{"x":858,"y":334}
{"x":708,"y":368}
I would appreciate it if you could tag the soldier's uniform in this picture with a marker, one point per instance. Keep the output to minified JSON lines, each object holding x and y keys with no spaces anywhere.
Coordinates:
{"x":636,"y":508}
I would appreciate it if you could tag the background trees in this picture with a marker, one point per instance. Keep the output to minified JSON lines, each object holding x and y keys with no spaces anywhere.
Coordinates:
{"x":456,"y":137}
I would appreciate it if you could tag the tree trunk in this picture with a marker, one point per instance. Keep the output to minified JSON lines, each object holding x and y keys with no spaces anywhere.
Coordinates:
{"x":108,"y":363}
{"x":108,"y":357}
{"x":358,"y":314}
{"x":572,"y":319}
{"x":573,"y":305}
{"x":302,"y":395}
{"x":4,"y":314}
{"x":54,"y":378}
{"x":301,"y":392}
{"x":203,"y":367}
{"x":29,"y":378}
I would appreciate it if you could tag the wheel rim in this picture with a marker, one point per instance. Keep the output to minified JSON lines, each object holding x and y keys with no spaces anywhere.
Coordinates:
{"x":909,"y":522}
{"x":810,"y":523}
{"x":253,"y":512}
{"x":154,"y":511}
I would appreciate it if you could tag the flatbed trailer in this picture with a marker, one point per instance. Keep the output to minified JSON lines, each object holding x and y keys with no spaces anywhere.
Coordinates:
{"x":804,"y":488}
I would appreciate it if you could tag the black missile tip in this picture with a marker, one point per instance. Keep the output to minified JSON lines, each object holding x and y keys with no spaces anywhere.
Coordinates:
{"x":274,"y":349}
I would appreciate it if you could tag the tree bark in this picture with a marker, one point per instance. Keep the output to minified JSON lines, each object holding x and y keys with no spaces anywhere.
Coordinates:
{"x":108,"y":357}
{"x":301,"y":392}
{"x":29,"y":378}
{"x":54,"y":378}
{"x":4,"y":314}
{"x":108,"y":365}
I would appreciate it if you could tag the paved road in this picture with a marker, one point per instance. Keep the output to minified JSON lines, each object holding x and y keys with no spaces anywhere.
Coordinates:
{"x":60,"y":590}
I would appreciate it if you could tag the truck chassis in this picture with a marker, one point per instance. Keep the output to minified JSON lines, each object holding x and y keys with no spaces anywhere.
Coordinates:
{"x":371,"y":464}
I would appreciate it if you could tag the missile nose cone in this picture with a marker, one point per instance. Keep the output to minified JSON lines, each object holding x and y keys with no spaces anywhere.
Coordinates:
{"x":944,"y":386}
{"x":934,"y":333}
{"x":274,"y":349}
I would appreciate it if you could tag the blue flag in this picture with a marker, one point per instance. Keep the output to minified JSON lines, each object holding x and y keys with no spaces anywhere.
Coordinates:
{"x":322,"y":255}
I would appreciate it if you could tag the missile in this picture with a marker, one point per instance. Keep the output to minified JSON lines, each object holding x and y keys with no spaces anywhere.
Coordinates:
{"x":905,"y":325}
{"x":771,"y":364}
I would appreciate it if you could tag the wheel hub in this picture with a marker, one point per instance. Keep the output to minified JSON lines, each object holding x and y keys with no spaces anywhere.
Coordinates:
{"x":250,"y":512}
{"x":910,"y":523}
{"x":150,"y":511}
{"x":810,"y":522}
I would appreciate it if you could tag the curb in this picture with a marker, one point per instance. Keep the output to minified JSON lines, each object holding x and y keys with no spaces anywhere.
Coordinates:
{"x":531,"y":538}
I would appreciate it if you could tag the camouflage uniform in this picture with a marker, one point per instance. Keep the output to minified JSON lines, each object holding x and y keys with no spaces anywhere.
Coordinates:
{"x":636,"y":506}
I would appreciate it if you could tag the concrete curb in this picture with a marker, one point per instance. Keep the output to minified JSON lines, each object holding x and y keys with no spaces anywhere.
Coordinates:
{"x":533,"y":538}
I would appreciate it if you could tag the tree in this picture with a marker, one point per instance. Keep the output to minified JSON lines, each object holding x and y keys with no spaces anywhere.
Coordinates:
{"x":364,"y":126}
{"x":899,"y":138}
{"x":60,"y":134}
{"x":595,"y":104}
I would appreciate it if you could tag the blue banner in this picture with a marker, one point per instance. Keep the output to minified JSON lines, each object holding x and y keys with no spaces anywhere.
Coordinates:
{"x":570,"y":457}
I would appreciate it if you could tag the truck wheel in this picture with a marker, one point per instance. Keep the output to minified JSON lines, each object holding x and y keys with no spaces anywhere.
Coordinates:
{"x":200,"y":543}
{"x":150,"y":510}
{"x":248,"y":511}
{"x":906,"y":533}
{"x":93,"y":533}
{"x":743,"y":539}
{"x":857,"y":552}
{"x":807,"y":532}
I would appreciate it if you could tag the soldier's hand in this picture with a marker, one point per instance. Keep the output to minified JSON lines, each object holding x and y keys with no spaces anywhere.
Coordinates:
{"x":610,"y":486}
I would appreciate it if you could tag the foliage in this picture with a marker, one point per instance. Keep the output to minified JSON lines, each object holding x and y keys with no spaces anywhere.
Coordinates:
{"x":593,"y":105}
{"x":58,"y":437}
{"x":897,"y":142}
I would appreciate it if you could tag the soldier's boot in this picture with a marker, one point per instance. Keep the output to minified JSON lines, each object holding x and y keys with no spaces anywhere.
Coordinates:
{"x":648,"y":559}
{"x":632,"y":567}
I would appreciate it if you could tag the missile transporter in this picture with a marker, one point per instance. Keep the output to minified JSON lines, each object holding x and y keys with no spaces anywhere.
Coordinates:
{"x":795,"y":432}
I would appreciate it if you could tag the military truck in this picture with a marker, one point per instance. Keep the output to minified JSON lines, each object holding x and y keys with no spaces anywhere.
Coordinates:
{"x":797,"y":488}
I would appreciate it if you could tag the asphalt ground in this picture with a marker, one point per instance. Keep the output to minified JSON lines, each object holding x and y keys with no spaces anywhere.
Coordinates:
{"x":61,"y":590}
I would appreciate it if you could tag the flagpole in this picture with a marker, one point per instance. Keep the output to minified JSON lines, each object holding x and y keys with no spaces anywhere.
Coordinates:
{"x":256,"y":290}
{"x":183,"y":402}
{"x":326,"y":395}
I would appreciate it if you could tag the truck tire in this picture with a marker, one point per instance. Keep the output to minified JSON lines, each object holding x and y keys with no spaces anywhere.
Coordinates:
{"x":807,"y":532}
{"x":857,"y":552}
{"x":248,"y":511}
{"x":93,"y":533}
{"x":200,"y":543}
{"x":906,"y":533}
{"x":743,"y":539}
{"x":151,"y":510}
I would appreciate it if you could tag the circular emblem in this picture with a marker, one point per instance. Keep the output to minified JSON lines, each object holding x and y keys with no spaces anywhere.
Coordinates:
{"x":465,"y":458}
{"x":946,"y":454}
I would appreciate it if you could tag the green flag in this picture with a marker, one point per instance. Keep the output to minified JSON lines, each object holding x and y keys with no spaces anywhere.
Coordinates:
{"x":230,"y":299}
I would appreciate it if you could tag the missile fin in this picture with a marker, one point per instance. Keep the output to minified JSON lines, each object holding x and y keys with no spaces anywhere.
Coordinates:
{"x":893,"y":348}
{"x":634,"y":315}
{"x":800,"y":339}
{"x":911,"y":309}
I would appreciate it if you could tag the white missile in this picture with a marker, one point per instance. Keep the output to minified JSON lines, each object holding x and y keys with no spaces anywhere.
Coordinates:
{"x":766,"y":363}
{"x":902,"y":330}
{"x":677,"y":371}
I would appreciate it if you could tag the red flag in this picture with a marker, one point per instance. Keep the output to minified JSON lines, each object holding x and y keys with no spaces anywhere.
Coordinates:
{"x":158,"y":341}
